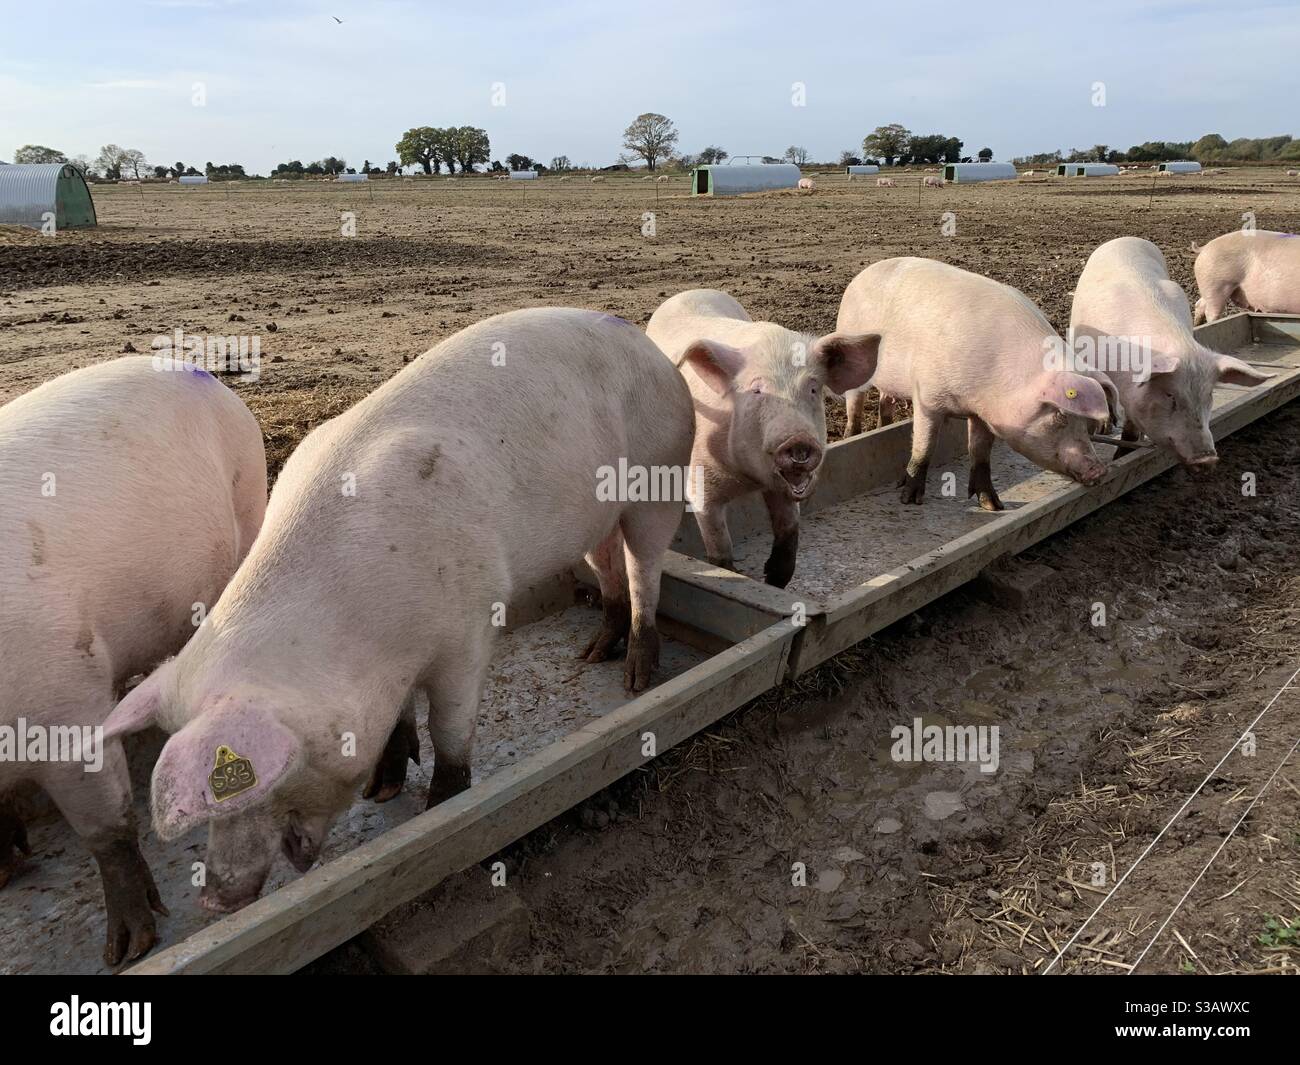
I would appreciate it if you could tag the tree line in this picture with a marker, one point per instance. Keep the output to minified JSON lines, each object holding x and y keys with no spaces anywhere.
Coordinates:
{"x":1212,"y":148}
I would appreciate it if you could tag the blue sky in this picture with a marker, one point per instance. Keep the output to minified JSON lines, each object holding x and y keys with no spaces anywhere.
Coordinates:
{"x":283,"y":80}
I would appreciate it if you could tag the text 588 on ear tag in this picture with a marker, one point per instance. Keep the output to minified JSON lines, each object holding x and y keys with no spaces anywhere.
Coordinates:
{"x":230,"y":775}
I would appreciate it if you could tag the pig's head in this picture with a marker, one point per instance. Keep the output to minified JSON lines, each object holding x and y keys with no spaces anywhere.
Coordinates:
{"x":773,"y":394}
{"x":236,"y":766}
{"x":1172,"y":404}
{"x":1059,"y":412}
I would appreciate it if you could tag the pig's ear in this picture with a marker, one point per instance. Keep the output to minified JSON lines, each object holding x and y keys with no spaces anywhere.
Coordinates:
{"x":222,"y":762}
{"x":716,"y":363}
{"x":138,"y":710}
{"x":1235,"y":372}
{"x":1112,"y":397}
{"x":1075,"y":393}
{"x":1162,"y":363}
{"x":848,"y":359}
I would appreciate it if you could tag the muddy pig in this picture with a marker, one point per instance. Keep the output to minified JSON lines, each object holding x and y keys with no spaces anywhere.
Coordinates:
{"x":129,"y":493}
{"x":392,"y":538}
{"x":964,"y":346}
{"x":760,"y":422}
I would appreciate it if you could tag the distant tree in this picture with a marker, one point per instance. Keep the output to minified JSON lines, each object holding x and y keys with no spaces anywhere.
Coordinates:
{"x":332,"y":165}
{"x":888,"y":142}
{"x":392,"y":167}
{"x":83,"y":164}
{"x":683,"y":162}
{"x":1099,"y":152}
{"x":467,"y":145}
{"x":424,"y":146}
{"x":315,"y":168}
{"x":847,"y":158}
{"x":952,"y":150}
{"x":109,"y":162}
{"x":712,"y":155}
{"x":160,"y":172}
{"x":561,"y":162}
{"x":931,"y":148}
{"x":795,"y":154}
{"x":650,"y":136}
{"x":293,"y":168}
{"x":496,"y":167}
{"x":519,"y":162}
{"x":38,"y":153}
{"x":985,"y":155}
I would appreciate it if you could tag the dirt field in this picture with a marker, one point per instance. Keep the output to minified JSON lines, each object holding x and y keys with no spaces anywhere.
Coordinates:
{"x":687,"y":866}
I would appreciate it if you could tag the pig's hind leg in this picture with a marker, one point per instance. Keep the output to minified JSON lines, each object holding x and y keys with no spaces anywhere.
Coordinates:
{"x":648,"y":529}
{"x":607,"y":560}
{"x":98,"y":808}
{"x":925,"y":433}
{"x":13,"y":837}
{"x":979,"y":447}
{"x":403,"y":745}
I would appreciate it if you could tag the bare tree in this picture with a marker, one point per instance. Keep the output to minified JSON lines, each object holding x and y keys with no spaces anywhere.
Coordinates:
{"x":651,"y":136}
{"x":797,"y":155}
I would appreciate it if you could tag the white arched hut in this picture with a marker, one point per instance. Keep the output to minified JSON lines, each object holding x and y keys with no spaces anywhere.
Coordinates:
{"x":32,"y":193}
{"x":960,"y":173}
{"x":726,"y":180}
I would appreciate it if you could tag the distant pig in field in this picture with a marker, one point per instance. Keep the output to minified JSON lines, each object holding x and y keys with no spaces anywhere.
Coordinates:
{"x":885,"y":182}
{"x":128,"y":496}
{"x":1257,"y":269}
{"x":959,"y":345}
{"x":759,"y":421}
{"x":1125,"y":294}
{"x":392,"y":538}
{"x":807,"y":183}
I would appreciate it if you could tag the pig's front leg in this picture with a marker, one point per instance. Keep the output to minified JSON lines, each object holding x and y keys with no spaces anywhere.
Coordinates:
{"x":403,"y":745}
{"x":784,"y":513}
{"x":711,"y":516}
{"x":13,"y":837}
{"x":925,"y":433}
{"x":979,"y":446}
{"x":455,"y":690}
{"x":98,"y":808}
{"x":855,"y":402}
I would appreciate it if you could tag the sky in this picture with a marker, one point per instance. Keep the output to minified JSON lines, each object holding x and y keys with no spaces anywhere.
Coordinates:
{"x":281,"y":79}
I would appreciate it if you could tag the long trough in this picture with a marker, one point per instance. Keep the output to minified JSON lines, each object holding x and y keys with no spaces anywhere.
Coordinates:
{"x":865,"y":562}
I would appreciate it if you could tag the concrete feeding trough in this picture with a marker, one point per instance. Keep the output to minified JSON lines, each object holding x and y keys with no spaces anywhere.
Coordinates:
{"x":1087,"y":170}
{"x":723,"y":180}
{"x":1182,"y":166}
{"x":862,"y":168}
{"x":962,"y":173}
{"x":193,"y":179}
{"x":523,"y":175}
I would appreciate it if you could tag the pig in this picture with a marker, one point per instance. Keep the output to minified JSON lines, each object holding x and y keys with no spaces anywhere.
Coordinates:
{"x":393,"y":535}
{"x":1125,"y":291}
{"x":131,"y":493}
{"x":597,"y":179}
{"x":964,"y":346}
{"x":1259,"y":270}
{"x":807,"y":183}
{"x":885,"y":183}
{"x":934,"y":182}
{"x":760,"y":425}
{"x":661,"y":178}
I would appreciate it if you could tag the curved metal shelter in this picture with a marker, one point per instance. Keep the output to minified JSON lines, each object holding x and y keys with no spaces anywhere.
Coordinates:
{"x":29,"y":192}
{"x":732,"y":180}
{"x":963,"y":172}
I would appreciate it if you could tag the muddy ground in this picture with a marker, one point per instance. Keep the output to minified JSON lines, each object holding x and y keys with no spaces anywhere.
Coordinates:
{"x":687,"y":866}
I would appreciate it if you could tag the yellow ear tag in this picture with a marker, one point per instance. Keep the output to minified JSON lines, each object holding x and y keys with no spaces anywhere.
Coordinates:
{"x":1071,"y":393}
{"x":230,"y":775}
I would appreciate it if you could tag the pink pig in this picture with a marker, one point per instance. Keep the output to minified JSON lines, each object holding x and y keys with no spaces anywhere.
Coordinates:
{"x":394,"y":536}
{"x":130,"y":496}
{"x":1258,"y":270}
{"x":964,"y":346}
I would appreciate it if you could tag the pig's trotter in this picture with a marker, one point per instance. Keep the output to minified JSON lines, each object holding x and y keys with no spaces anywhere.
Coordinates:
{"x":390,"y":773}
{"x":449,"y":780}
{"x":913,"y":485}
{"x":130,"y":899}
{"x":13,"y":837}
{"x":779,"y":567}
{"x":614,"y":627}
{"x":980,"y":484}
{"x":726,"y":562}
{"x":642,"y":659}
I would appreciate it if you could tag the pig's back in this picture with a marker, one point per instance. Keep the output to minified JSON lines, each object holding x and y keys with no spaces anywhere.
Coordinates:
{"x":698,"y":314}
{"x":158,"y":482}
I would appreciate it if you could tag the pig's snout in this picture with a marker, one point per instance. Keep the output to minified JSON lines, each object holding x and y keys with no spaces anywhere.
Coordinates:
{"x":1202,"y":464}
{"x":797,"y":461}
{"x":1090,"y":472}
